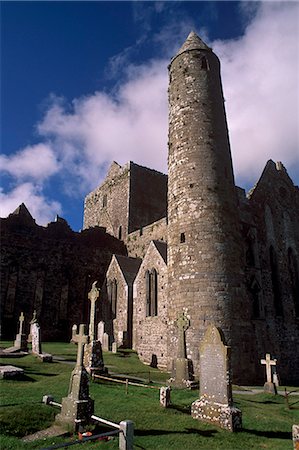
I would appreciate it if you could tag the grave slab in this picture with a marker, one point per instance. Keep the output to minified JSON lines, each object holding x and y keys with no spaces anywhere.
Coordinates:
{"x":8,"y":372}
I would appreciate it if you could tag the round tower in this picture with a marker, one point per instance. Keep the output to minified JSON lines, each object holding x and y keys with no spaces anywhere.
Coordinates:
{"x":203,"y":239}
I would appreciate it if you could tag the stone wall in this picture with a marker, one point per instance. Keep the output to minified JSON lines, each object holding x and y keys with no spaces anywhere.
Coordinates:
{"x":150,"y":332}
{"x":50,"y":269}
{"x":138,"y":241}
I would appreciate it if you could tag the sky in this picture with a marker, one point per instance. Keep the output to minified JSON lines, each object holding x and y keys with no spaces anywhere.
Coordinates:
{"x":85,"y":83}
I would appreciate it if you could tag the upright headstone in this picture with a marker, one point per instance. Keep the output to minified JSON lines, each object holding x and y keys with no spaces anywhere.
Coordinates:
{"x":101,"y":330}
{"x":35,"y":339}
{"x":93,"y":355}
{"x":74,"y":333}
{"x":77,"y":408}
{"x":105,"y":342}
{"x":215,"y":404}
{"x":181,"y":375}
{"x":21,"y":341}
{"x":165,"y":396}
{"x":114,"y":347}
{"x":32,"y":321}
{"x":269,"y":386}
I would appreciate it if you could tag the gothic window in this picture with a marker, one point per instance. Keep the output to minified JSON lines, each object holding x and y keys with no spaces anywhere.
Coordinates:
{"x":275,"y":283}
{"x":294,"y":278}
{"x":151,"y":281}
{"x":112,"y":296}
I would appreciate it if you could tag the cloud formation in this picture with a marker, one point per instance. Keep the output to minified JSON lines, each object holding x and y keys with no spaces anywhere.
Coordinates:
{"x":260,"y":78}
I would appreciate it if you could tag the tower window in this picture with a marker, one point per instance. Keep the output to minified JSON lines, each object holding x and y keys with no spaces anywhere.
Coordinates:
{"x":275,"y":283}
{"x":104,"y":200}
{"x":183,"y":238}
{"x":151,"y":280}
{"x":204,"y":64}
{"x":120,"y":232}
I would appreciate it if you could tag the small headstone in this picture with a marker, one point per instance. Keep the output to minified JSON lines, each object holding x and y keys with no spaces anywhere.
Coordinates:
{"x":165,"y":396}
{"x":215,"y":404}
{"x":74,"y":333}
{"x":77,"y":408}
{"x":269,"y":386}
{"x":295,"y":434}
{"x":101,"y":330}
{"x":8,"y":372}
{"x":114,"y":347}
{"x":105,"y":343}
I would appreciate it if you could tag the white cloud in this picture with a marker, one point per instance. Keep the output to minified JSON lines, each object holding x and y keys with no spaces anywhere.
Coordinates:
{"x":37,"y":162}
{"x":41,"y":209}
{"x":260,"y":77}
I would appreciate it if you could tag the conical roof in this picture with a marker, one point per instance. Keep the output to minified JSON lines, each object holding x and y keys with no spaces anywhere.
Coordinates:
{"x":193,"y":42}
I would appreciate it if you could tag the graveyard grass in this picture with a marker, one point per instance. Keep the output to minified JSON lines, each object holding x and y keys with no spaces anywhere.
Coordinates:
{"x":267,"y":422}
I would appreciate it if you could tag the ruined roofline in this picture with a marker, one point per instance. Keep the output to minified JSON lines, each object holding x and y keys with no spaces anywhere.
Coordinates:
{"x":275,"y":167}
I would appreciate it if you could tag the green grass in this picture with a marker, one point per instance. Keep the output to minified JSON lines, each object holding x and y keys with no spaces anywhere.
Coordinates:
{"x":267,"y":422}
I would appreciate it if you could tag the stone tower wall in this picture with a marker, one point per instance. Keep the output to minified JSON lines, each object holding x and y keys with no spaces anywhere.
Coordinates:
{"x":204,"y":247}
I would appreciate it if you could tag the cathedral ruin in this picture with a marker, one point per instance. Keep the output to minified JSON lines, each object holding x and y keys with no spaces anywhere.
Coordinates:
{"x":191,"y":242}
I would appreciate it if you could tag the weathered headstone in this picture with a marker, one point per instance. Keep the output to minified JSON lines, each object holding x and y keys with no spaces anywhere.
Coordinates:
{"x":32,"y":321}
{"x":295,"y":435}
{"x":93,"y":355}
{"x":215,"y":404}
{"x":101,"y":330}
{"x":35,"y":338}
{"x":181,"y":375}
{"x":77,"y":407}
{"x":105,"y":342}
{"x":165,"y":396}
{"x":21,"y":341}
{"x":74,"y":333}
{"x":269,"y":386}
{"x":114,"y":347}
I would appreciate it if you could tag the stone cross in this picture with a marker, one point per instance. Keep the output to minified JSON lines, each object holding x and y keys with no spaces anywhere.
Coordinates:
{"x":21,"y":319}
{"x":34,"y":319}
{"x":93,"y":295}
{"x":268,"y":362}
{"x":183,"y":324}
{"x":82,"y":339}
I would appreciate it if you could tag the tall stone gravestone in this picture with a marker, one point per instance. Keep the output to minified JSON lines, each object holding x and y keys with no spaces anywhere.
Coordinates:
{"x":269,"y":386}
{"x":77,"y":408}
{"x":101,"y":330}
{"x":181,"y":375}
{"x":35,"y":339}
{"x":93,"y":355}
{"x":215,"y":404}
{"x":21,"y":341}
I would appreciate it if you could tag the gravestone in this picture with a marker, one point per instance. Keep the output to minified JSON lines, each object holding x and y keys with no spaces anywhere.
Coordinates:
{"x":21,"y":341}
{"x":35,"y":338}
{"x":215,"y":404}
{"x":114,"y":347}
{"x":181,"y":375}
{"x":165,"y":396}
{"x":295,"y":435}
{"x":32,"y":321}
{"x":105,"y":343}
{"x":77,"y":408}
{"x":93,"y":355}
{"x":269,"y":386}
{"x":8,"y":372}
{"x":101,"y":330}
{"x":74,"y":333}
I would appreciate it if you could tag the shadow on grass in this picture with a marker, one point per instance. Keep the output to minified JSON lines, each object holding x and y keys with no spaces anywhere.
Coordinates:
{"x":204,"y":433}
{"x":182,"y":409}
{"x":270,"y":434}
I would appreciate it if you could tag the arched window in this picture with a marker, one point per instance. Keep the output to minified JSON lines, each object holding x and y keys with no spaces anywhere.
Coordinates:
{"x":151,"y":281}
{"x":112,"y":296}
{"x":275,"y":283}
{"x":294,"y":278}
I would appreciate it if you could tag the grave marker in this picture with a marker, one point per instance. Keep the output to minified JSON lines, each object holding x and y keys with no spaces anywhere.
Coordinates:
{"x":77,"y":407}
{"x":181,"y":376}
{"x":20,"y":341}
{"x":215,"y":404}
{"x":269,"y":386}
{"x":165,"y":396}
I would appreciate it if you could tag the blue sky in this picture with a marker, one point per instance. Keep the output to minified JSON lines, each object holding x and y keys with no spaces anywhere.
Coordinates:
{"x":85,"y":83}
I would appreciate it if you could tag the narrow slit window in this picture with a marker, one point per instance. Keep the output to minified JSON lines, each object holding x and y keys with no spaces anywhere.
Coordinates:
{"x":204,"y":64}
{"x":183,"y":238}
